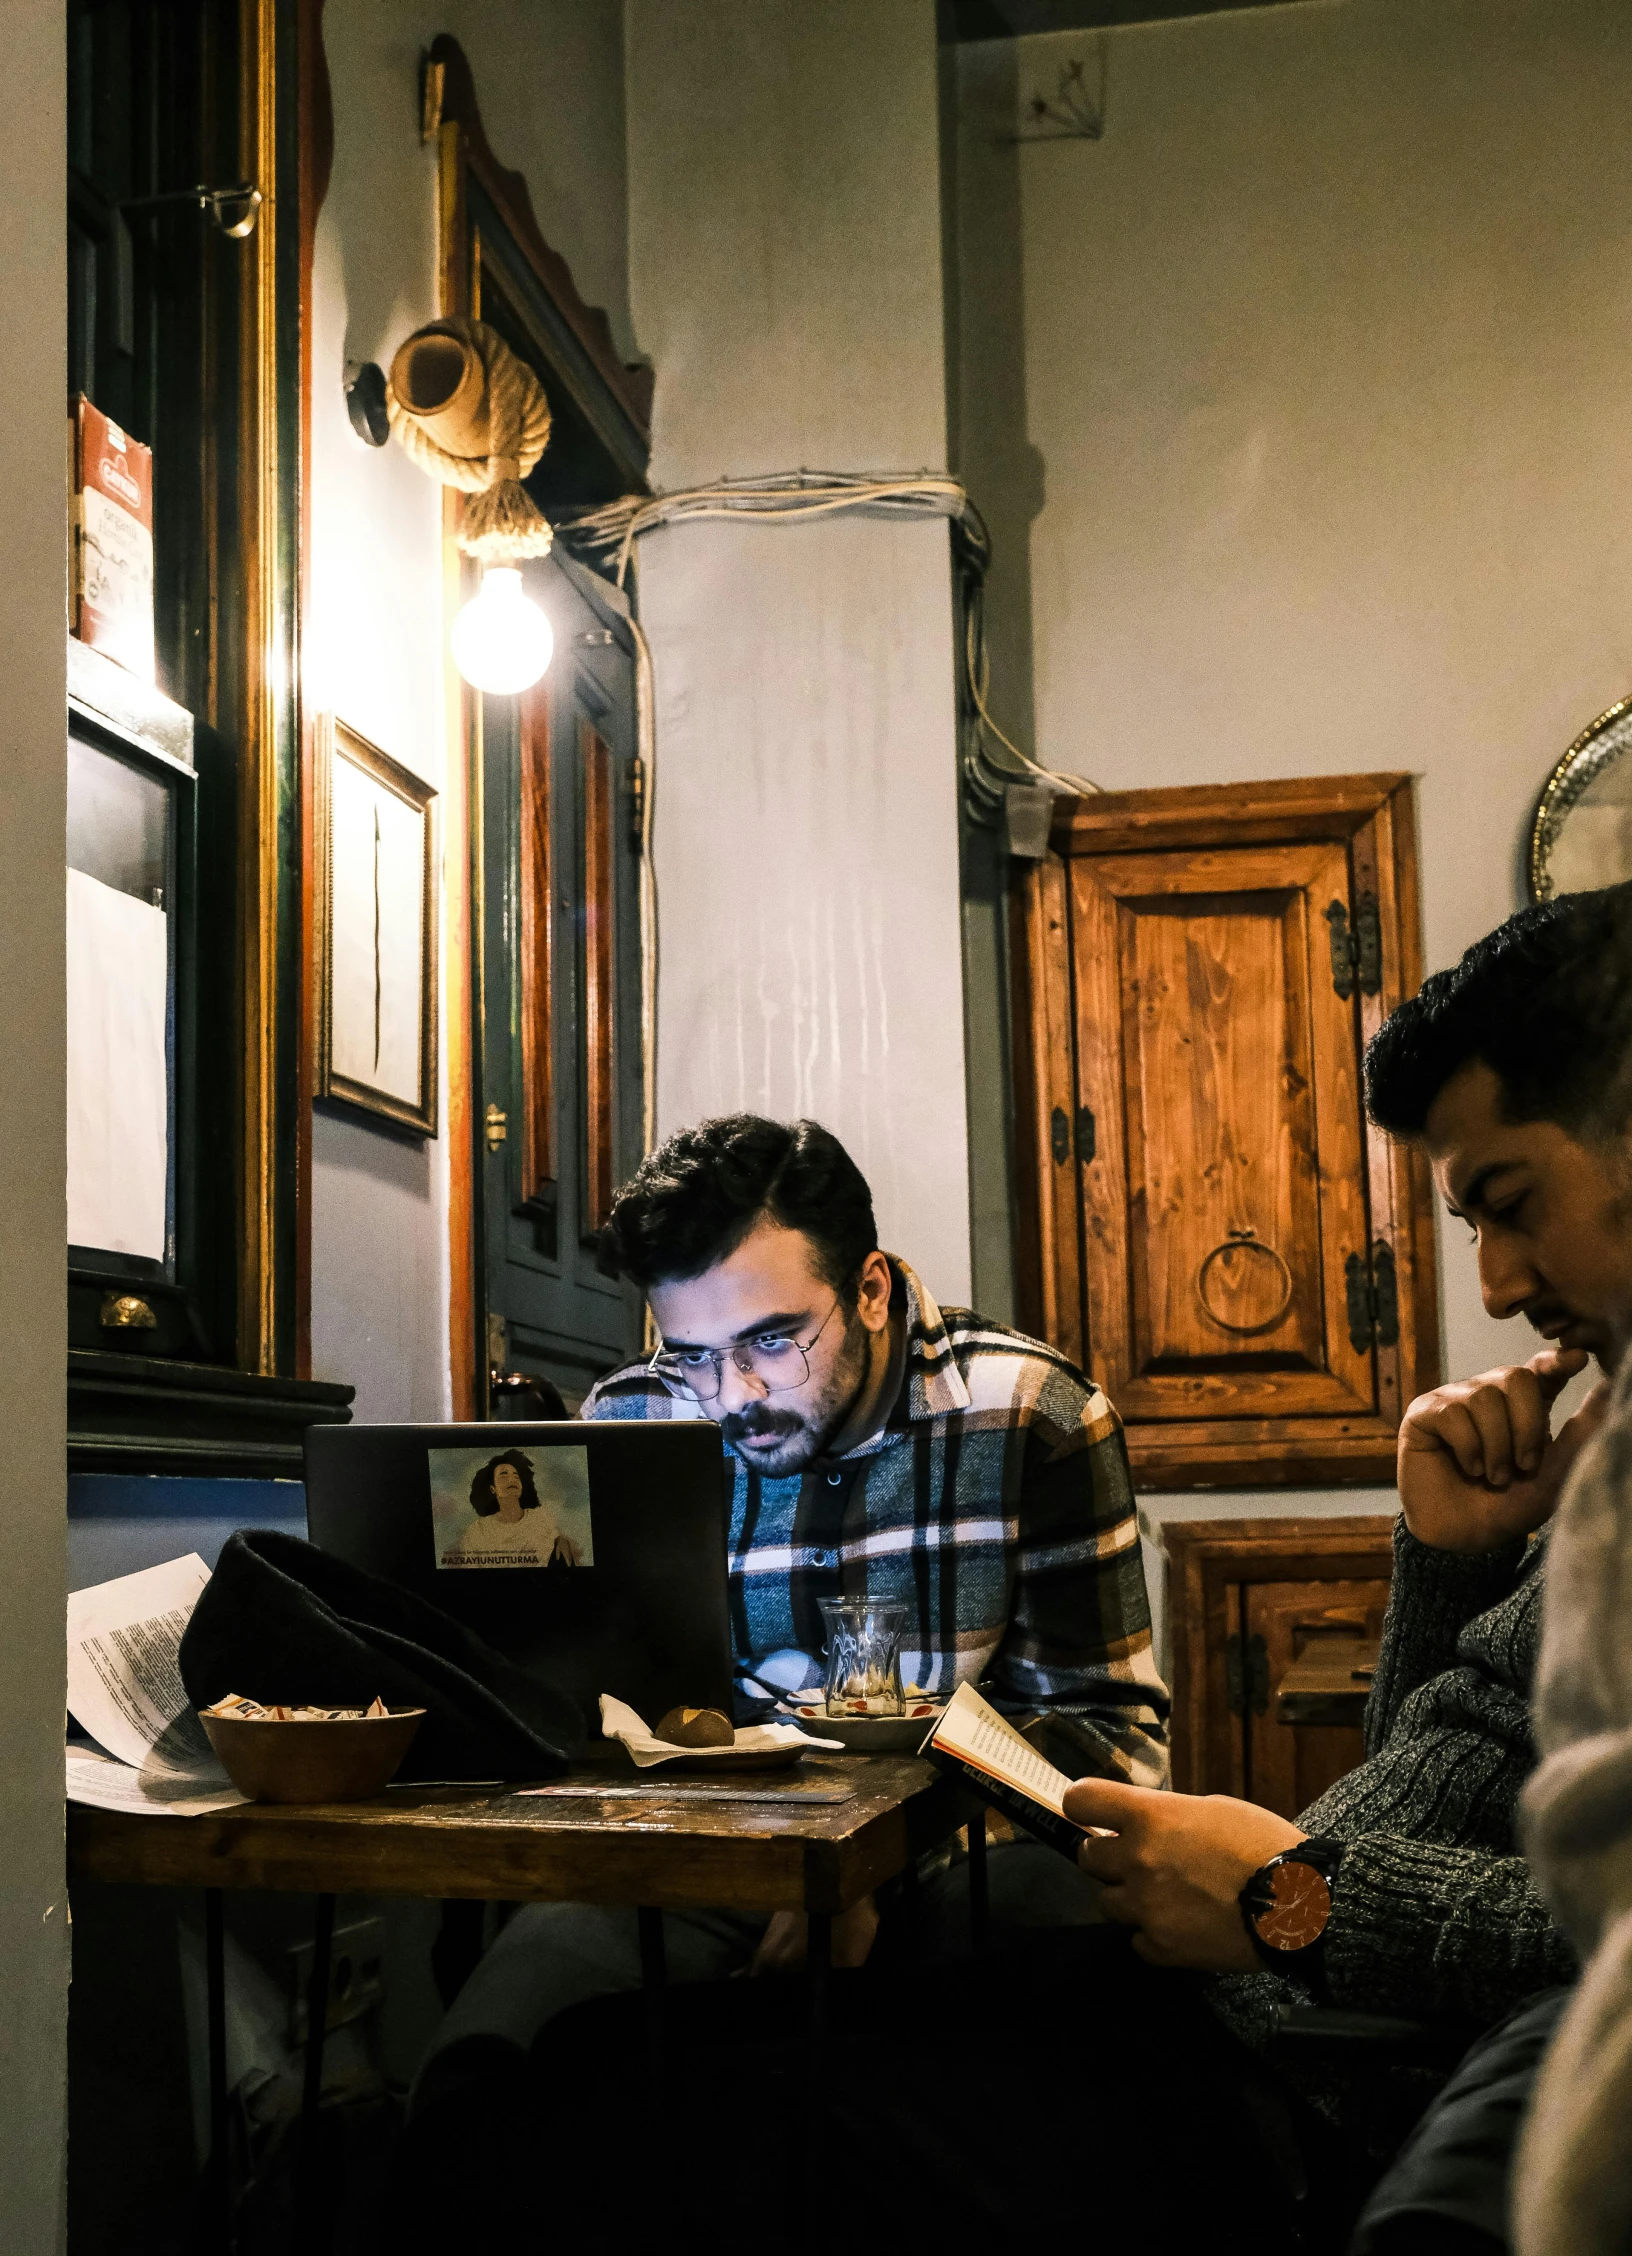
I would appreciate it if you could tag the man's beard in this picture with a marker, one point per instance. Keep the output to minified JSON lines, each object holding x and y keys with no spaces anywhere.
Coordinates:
{"x":806,"y":1431}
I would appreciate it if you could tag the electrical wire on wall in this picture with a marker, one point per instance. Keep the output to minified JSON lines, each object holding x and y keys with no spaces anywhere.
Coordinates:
{"x":991,"y":762}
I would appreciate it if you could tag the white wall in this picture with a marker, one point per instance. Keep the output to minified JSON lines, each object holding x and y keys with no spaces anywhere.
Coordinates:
{"x":550,"y":80}
{"x":33,"y":1214}
{"x":786,"y":280}
{"x":1300,"y":400}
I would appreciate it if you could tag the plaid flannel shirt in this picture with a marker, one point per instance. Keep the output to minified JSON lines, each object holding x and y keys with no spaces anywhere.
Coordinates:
{"x":996,"y":1502}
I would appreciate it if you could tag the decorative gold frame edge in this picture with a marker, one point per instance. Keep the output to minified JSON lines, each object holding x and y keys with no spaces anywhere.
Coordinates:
{"x":1554,"y":803}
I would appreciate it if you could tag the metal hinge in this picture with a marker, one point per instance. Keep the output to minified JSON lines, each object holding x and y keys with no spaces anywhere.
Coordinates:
{"x":1246,"y":1674}
{"x":637,"y":804}
{"x":1357,"y":955}
{"x":496,"y":1127}
{"x":1371,"y":1290}
{"x":1061,"y":1134}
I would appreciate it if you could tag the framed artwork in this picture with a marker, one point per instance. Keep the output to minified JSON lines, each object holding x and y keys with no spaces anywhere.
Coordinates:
{"x":376,"y":931}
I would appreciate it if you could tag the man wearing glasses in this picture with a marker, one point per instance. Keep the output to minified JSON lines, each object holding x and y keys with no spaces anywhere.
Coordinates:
{"x":883,"y":1447}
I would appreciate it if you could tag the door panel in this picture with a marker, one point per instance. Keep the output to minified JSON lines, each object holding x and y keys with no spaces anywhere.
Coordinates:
{"x":1289,"y":1765}
{"x":599,"y":980}
{"x":558,"y":1117}
{"x":1217,"y":1266}
{"x":535,"y":969}
{"x":1207,"y":1222}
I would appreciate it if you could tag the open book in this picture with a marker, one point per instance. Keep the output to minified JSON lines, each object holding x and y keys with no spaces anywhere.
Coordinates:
{"x":978,"y":1746}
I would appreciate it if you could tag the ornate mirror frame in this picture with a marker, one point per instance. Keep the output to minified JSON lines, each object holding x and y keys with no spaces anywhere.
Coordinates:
{"x":1594,"y":752}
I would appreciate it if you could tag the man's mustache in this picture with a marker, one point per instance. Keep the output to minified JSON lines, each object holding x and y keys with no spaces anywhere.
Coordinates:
{"x":758,"y":1421}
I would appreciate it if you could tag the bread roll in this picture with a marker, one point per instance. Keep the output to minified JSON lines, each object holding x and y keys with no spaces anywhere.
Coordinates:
{"x":696,"y":1727}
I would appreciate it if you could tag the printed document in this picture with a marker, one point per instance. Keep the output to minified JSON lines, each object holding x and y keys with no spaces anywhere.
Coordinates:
{"x":125,"y":1689}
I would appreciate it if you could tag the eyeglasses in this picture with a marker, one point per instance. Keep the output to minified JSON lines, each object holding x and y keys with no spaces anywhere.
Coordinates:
{"x":779,"y":1364}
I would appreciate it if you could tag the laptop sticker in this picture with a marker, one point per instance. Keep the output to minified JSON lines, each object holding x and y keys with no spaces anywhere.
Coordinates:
{"x":511,"y":1508}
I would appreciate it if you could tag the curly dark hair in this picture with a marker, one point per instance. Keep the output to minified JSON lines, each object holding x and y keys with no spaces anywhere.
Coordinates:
{"x":483,"y":1496}
{"x":1545,"y":1001}
{"x":693,"y":1200}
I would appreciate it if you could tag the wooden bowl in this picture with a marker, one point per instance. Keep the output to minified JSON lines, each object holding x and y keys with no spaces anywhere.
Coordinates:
{"x":313,"y":1762}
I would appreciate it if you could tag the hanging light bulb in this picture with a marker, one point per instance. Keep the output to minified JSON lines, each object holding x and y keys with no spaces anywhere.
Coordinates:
{"x":502,"y":641}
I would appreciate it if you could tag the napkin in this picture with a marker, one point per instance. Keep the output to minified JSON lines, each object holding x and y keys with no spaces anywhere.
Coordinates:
{"x":620,"y":1722}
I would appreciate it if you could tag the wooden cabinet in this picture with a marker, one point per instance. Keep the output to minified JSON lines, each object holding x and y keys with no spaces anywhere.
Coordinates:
{"x":1245,"y":1599}
{"x":1208,"y":1223}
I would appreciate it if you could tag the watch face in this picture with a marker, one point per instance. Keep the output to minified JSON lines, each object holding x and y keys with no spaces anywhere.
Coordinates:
{"x":1301,"y":1906}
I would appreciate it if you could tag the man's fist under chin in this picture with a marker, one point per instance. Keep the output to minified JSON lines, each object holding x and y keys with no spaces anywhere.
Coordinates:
{"x":1478,"y":1464}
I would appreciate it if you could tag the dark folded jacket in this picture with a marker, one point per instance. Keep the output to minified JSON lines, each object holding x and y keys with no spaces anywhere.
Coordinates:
{"x":280,"y":1620}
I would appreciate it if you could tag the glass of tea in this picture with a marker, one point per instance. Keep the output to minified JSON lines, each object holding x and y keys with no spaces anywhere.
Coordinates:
{"x":864,"y":1655}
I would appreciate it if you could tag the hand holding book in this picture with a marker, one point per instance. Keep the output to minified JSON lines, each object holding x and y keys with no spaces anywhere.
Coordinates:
{"x":1173,"y":1865}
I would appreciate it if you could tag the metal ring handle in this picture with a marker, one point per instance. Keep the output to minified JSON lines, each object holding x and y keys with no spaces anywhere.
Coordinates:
{"x":1253,"y":1243}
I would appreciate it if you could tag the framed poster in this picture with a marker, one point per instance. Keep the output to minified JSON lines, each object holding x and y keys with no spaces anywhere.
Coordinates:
{"x":375,"y":931}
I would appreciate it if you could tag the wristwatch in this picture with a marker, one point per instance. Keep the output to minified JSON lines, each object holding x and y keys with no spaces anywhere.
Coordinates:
{"x":1287,"y":1904}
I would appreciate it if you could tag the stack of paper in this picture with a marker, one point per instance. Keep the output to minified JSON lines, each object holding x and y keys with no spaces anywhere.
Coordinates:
{"x":125,"y":1689}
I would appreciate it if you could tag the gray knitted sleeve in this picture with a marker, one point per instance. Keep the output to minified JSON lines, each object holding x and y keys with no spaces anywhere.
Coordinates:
{"x":1435,"y":1595}
{"x":1422,"y":1929}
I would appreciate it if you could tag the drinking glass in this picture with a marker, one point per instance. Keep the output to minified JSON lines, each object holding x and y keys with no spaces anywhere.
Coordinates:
{"x":864,"y":1655}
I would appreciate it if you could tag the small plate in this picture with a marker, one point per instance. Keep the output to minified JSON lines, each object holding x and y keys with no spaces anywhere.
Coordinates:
{"x":700,"y":1765}
{"x":872,"y":1735}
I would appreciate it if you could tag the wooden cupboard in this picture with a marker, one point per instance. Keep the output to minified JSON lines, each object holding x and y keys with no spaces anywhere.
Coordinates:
{"x":1245,"y":1599}
{"x":1208,"y":1223}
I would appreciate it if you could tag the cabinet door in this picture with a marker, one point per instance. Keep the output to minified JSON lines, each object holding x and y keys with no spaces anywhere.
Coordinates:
{"x":1289,"y":1764}
{"x":1229,"y":1191}
{"x":1207,"y":1222}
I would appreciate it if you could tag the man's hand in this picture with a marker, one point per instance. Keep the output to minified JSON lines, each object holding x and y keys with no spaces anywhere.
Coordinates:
{"x":782,"y":1946}
{"x":1175,"y":1868}
{"x":1478,"y":1464}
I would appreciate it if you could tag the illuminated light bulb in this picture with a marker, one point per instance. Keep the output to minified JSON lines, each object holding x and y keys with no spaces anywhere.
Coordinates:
{"x":502,"y":641}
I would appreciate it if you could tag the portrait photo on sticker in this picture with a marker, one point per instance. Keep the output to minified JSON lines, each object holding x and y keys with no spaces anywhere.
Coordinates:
{"x":511,"y":1507}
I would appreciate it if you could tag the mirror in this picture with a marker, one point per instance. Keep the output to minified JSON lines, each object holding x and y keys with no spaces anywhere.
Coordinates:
{"x":1581,"y":838}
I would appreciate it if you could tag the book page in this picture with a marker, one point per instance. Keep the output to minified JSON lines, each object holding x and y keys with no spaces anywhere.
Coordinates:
{"x":973,"y":1730}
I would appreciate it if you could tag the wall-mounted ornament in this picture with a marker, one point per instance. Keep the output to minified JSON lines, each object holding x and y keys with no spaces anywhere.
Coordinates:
{"x":1075,"y":110}
{"x":376,"y":931}
{"x":1581,"y":835}
{"x":471,"y":413}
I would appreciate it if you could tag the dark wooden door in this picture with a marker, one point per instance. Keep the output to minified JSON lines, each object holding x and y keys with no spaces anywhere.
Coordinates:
{"x":1288,"y":1765}
{"x":1210,"y":1227}
{"x":559,"y":1102}
{"x":1245,"y":1599}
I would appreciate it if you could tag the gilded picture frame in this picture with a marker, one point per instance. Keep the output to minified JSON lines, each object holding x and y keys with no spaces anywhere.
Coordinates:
{"x":375,"y":936}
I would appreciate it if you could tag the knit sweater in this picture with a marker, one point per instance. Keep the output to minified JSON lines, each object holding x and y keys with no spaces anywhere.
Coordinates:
{"x":1434,"y":1912}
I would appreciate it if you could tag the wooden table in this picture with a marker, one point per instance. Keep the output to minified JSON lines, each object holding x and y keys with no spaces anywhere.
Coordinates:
{"x":1330,"y":1683}
{"x":816,"y":1840}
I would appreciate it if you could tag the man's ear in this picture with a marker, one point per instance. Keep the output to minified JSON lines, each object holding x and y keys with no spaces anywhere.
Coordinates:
{"x":873,"y":1292}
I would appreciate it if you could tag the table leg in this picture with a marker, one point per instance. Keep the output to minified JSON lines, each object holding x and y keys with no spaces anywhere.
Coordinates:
{"x":218,"y":2171}
{"x":653,"y":1976}
{"x":979,"y":1921}
{"x":311,"y":2213}
{"x":818,"y":1973}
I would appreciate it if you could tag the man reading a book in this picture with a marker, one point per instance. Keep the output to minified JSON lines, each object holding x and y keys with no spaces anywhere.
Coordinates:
{"x":1140,"y":2078}
{"x":879,"y":1446}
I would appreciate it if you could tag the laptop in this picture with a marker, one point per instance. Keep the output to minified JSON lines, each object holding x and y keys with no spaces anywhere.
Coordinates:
{"x":594,"y":1552}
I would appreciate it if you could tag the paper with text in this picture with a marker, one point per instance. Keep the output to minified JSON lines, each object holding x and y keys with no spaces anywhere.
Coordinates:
{"x":102,"y":1783}
{"x":124,"y":1671}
